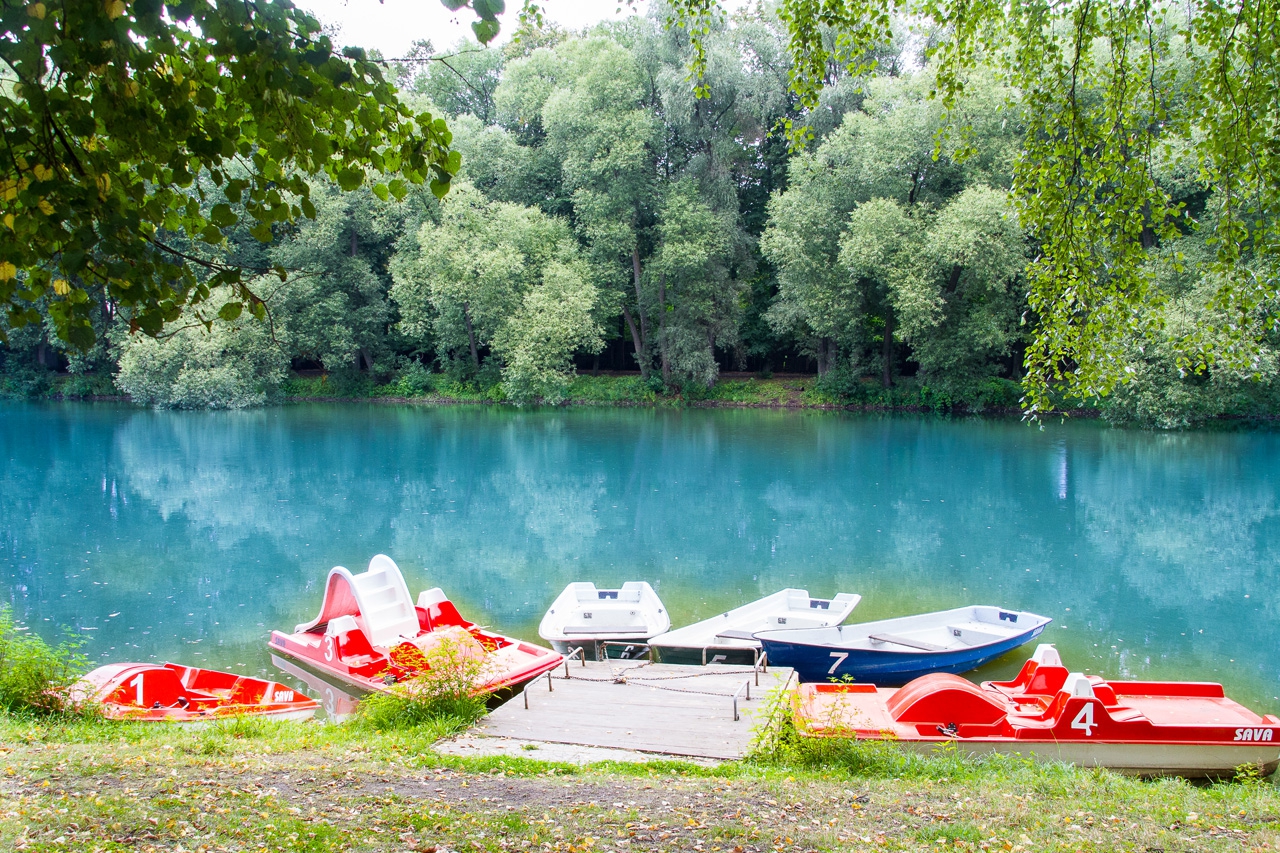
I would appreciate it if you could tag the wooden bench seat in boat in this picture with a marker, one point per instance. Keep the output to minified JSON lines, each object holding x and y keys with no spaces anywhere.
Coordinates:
{"x":570,"y":630}
{"x":905,"y":641}
{"x":732,"y":634}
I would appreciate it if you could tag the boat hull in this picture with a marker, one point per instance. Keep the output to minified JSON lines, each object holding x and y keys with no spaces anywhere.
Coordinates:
{"x":728,"y":638}
{"x":145,"y":692}
{"x":1144,"y":728}
{"x":1191,"y":760}
{"x":822,"y":663}
{"x":611,"y":648}
{"x":892,"y":652}
{"x":745,"y":655}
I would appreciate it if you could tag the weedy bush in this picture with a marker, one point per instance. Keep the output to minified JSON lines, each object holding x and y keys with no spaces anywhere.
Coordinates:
{"x":444,"y":696}
{"x":777,"y":742}
{"x":35,"y":676}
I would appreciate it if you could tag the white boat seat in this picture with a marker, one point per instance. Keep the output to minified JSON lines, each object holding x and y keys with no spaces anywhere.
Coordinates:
{"x":1078,"y":685}
{"x":1046,"y":655}
{"x":340,"y":626}
{"x":602,"y":629}
{"x":906,"y":641}
{"x":973,"y":636}
{"x":732,"y":634}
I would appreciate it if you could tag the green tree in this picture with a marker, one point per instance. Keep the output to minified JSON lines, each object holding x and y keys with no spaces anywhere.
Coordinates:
{"x":845,"y":273}
{"x":111,"y":112}
{"x":696,"y":300}
{"x":459,"y":82}
{"x":1109,"y":90}
{"x":489,"y":276}
{"x":337,"y":307}
{"x":556,"y":318}
{"x":605,"y":134}
{"x":230,"y":365}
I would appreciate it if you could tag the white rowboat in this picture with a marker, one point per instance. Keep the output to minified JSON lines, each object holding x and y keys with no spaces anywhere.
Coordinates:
{"x":727,"y":638}
{"x":604,"y":622}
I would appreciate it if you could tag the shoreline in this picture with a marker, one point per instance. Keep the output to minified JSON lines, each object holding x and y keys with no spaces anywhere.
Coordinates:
{"x":247,"y":785}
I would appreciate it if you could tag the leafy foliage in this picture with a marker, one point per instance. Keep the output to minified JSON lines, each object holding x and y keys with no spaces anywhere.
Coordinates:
{"x":1111,"y":93}
{"x":234,"y":364}
{"x":119,"y":120}
{"x":35,"y":676}
{"x":443,"y":695}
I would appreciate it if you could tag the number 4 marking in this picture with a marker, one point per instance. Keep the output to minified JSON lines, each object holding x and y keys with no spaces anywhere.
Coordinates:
{"x":1084,"y":721}
{"x":839,"y":656}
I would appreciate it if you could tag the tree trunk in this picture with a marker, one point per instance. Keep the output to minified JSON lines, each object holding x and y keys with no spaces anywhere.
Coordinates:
{"x":366,"y":358}
{"x":644,"y":322}
{"x":471,"y":334}
{"x":662,"y":328}
{"x":42,"y":354}
{"x":635,"y":341}
{"x":711,"y":351}
{"x":888,"y":347}
{"x":823,"y":367}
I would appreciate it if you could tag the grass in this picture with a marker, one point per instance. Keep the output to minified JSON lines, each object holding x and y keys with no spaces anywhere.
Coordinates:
{"x":253,"y":786}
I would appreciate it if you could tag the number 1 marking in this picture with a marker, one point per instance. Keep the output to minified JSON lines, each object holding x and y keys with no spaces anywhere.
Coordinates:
{"x":839,"y":656}
{"x":137,"y":682}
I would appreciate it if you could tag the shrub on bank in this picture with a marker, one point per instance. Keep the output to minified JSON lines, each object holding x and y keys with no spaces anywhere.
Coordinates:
{"x":444,"y":696}
{"x":35,"y":676}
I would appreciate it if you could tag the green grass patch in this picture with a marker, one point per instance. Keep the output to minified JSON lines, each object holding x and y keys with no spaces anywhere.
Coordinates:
{"x":611,"y":389}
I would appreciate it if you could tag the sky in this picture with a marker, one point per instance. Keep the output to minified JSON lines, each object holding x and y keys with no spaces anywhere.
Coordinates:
{"x":393,"y":25}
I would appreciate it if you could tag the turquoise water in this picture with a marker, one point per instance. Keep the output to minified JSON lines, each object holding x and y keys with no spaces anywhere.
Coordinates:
{"x":190,"y":535}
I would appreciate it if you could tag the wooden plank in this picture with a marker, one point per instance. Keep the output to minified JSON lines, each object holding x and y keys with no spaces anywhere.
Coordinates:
{"x":666,"y":709}
{"x":906,"y":641}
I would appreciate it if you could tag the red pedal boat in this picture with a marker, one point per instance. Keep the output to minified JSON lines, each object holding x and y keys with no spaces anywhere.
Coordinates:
{"x":369,"y":634}
{"x":1149,"y":728}
{"x":185,"y":694}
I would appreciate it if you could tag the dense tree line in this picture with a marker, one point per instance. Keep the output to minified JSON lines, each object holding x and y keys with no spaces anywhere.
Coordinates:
{"x":606,"y":218}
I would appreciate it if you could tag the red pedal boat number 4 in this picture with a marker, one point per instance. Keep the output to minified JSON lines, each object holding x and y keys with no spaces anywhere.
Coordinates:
{"x":1148,"y":728}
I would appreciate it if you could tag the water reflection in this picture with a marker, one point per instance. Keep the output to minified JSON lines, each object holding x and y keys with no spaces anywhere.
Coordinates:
{"x":189,"y":535}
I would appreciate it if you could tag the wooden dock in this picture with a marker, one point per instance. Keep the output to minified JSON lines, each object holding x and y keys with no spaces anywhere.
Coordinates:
{"x":686,"y":711}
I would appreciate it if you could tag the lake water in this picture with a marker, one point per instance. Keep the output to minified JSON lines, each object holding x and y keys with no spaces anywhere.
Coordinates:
{"x":190,"y":535}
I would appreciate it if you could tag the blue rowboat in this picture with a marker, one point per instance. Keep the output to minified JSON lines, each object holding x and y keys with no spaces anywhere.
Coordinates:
{"x":893,"y":651}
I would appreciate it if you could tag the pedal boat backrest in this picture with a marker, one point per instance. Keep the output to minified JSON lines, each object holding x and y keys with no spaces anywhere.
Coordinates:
{"x":377,"y":600}
{"x":1042,"y":675}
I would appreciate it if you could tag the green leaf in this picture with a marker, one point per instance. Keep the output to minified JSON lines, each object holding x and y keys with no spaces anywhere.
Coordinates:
{"x":489,"y":9}
{"x":230,"y":311}
{"x":350,"y":177}
{"x":398,"y":188}
{"x":486,"y":30}
{"x":223,"y":216}
{"x":380,"y":190}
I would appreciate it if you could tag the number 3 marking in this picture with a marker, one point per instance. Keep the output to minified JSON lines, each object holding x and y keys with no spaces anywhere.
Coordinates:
{"x":839,"y":656}
{"x":1084,"y":721}
{"x":328,"y":649}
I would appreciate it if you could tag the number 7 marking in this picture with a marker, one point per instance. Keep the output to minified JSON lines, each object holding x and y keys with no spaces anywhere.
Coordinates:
{"x":839,"y":656}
